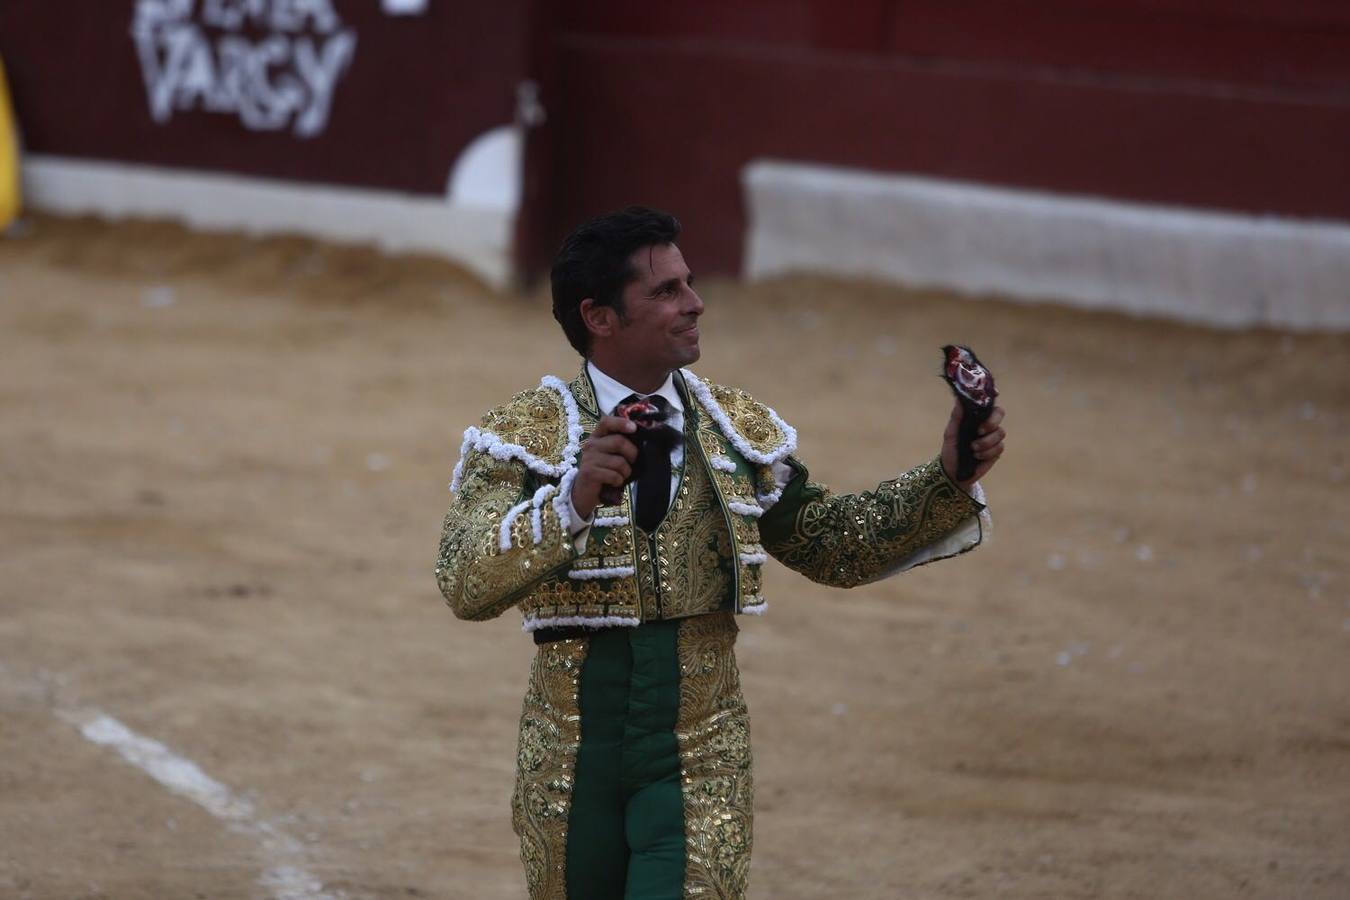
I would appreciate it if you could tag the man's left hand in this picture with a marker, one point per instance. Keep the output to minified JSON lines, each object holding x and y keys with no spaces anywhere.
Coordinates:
{"x":988,"y":446}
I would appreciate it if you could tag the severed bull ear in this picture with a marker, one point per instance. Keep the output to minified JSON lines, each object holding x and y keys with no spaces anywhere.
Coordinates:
{"x":973,"y":385}
{"x":653,"y":435}
{"x":644,"y":412}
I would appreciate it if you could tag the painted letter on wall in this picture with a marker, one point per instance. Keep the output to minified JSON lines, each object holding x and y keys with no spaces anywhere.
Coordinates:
{"x":274,"y":64}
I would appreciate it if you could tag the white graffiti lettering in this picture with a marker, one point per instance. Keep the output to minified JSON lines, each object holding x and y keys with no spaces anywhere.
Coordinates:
{"x":271,"y":15}
{"x":195,"y":57}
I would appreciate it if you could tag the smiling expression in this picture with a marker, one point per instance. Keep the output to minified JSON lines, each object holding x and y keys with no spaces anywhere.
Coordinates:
{"x":658,"y":330}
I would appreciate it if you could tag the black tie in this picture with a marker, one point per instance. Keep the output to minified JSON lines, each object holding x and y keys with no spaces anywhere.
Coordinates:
{"x":654,"y":440}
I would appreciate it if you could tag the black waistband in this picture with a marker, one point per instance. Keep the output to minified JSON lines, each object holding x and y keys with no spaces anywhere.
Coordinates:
{"x":565,"y":633}
{"x":573,"y":632}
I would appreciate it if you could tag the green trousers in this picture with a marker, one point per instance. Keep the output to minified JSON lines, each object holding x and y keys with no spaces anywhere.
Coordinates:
{"x":634,"y":766}
{"x":625,"y":831}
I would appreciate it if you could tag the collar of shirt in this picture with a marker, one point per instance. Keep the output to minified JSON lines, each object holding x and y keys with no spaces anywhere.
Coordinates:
{"x":609,"y":393}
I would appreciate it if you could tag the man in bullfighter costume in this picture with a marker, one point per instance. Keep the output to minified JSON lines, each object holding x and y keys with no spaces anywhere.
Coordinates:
{"x":628,"y":513}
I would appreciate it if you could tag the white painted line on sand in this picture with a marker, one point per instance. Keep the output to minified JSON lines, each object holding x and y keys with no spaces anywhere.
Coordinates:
{"x":284,"y":879}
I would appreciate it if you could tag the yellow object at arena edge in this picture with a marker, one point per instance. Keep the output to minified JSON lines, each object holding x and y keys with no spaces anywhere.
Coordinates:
{"x":9,"y":157}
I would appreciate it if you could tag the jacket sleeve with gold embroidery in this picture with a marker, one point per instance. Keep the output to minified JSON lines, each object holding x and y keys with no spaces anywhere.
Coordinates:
{"x":506,"y":529}
{"x":501,"y":536}
{"x":849,"y":539}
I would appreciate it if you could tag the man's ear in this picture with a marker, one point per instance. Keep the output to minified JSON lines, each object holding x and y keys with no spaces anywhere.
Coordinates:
{"x":601,"y":321}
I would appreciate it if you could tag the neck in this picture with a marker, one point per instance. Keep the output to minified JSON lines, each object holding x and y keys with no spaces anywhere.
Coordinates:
{"x":640,"y":379}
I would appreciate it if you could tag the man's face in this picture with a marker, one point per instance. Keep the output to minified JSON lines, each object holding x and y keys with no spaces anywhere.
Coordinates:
{"x":659,"y":326}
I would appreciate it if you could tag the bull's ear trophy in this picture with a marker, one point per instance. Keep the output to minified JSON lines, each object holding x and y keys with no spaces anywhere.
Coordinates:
{"x":973,"y":386}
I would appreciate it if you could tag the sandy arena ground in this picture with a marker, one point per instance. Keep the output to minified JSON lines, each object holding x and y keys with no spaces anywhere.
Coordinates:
{"x":224,"y":470}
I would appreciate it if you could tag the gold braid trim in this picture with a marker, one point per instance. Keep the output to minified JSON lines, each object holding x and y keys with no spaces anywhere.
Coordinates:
{"x":852,"y":539}
{"x":550,"y":733}
{"x":713,"y":731}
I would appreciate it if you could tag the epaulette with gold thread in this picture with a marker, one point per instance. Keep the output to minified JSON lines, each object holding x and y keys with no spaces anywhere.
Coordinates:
{"x":539,"y":427}
{"x":754,"y":429}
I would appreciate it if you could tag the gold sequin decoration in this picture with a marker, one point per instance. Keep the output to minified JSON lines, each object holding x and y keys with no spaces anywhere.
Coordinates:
{"x":477,"y":578}
{"x":536,"y":420}
{"x":608,"y":547}
{"x":712,"y":443}
{"x":694,"y":564}
{"x":765,"y":479}
{"x":691,"y":572}
{"x":749,"y":417}
{"x":613,"y":540}
{"x":851,"y":539}
{"x":747,"y":529}
{"x":584,"y":394}
{"x":550,"y":733}
{"x":752,"y":579}
{"x":736,"y":485}
{"x":713,"y":731}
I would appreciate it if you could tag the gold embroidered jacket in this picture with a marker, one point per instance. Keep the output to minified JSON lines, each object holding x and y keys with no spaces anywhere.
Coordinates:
{"x":506,"y":539}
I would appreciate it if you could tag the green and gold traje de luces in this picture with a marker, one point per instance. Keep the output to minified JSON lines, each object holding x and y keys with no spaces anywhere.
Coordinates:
{"x":742,"y":496}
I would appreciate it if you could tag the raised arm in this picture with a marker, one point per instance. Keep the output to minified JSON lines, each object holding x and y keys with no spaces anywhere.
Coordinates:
{"x":850,"y":539}
{"x":918,"y":518}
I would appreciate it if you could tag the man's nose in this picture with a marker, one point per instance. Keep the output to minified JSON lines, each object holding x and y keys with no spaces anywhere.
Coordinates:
{"x":693,"y":302}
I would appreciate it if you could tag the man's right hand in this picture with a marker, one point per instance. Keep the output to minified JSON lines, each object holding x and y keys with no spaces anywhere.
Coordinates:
{"x":606,"y":464}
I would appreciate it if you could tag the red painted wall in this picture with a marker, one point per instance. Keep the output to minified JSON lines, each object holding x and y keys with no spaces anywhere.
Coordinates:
{"x":1231,"y":104}
{"x":416,"y":91}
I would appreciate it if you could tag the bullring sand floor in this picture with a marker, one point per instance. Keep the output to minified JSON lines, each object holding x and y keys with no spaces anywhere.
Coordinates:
{"x":224,"y":469}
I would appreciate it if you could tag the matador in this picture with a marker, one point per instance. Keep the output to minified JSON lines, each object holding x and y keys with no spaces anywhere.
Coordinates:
{"x":631,"y":561}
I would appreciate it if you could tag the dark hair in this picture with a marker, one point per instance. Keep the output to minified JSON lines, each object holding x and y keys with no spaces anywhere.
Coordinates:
{"x":593,"y":262}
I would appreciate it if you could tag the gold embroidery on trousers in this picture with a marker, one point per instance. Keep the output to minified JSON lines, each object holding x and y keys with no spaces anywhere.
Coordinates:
{"x":713,"y":731}
{"x":550,"y":733}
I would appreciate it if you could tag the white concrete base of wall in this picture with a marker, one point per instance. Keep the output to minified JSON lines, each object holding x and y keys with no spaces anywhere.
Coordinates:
{"x":1213,"y":268}
{"x":479,"y":237}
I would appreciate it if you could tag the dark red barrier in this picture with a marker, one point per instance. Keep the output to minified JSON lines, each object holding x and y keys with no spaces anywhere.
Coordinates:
{"x":1242,"y":106}
{"x":331,"y":91}
{"x":1231,"y":104}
